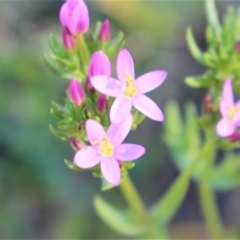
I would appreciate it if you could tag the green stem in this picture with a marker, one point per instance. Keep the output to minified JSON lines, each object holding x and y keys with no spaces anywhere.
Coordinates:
{"x":83,"y":52}
{"x":210,"y":211}
{"x":134,"y":201}
{"x":207,"y":199}
{"x":132,"y":197}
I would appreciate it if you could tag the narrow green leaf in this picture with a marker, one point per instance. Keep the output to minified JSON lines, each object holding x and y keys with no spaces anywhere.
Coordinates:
{"x":194,"y":49}
{"x":58,"y":133}
{"x":116,"y":219}
{"x":73,"y":166}
{"x":105,"y":185}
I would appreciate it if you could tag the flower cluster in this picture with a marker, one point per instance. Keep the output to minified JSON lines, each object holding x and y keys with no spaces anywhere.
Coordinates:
{"x":93,"y":121}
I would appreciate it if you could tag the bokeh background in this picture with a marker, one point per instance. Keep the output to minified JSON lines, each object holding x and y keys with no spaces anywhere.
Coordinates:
{"x":40,"y":197}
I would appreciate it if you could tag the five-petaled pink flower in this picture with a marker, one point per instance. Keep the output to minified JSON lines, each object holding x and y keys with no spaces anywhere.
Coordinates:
{"x":129,"y":92}
{"x":74,"y":16}
{"x":107,"y":149}
{"x":230,"y":112}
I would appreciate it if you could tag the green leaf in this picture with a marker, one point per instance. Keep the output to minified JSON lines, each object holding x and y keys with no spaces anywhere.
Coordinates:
{"x":59,"y":134}
{"x":116,"y":219}
{"x":194,"y":49}
{"x":73,"y":166}
{"x":51,"y":66}
{"x":226,"y":175}
{"x":56,"y":47}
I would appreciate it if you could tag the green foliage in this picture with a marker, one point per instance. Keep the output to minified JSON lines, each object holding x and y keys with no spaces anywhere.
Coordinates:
{"x":116,"y":219}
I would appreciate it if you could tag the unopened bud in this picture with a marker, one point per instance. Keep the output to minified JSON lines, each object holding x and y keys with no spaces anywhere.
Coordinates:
{"x":99,"y":65}
{"x":104,"y":32}
{"x":102,"y":103}
{"x":207,"y":106}
{"x":237,"y":46}
{"x":234,"y":137}
{"x":76,"y":93}
{"x":74,"y":16}
{"x":77,"y":145}
{"x":68,"y":39}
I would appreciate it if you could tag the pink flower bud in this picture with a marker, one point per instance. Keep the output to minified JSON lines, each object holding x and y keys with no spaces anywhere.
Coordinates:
{"x":99,"y":65}
{"x":104,"y":32}
{"x":77,"y":145}
{"x":74,"y":16}
{"x":76,"y":93}
{"x":234,"y":137}
{"x":68,"y":39}
{"x":102,"y":103}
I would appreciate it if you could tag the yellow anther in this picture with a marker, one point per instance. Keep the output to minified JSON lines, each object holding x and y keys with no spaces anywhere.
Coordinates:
{"x":232,"y":111}
{"x":106,"y":147}
{"x":130,"y":91}
{"x":94,"y":142}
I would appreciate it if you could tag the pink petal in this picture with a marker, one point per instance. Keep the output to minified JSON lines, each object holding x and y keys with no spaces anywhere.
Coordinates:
{"x":237,"y":116}
{"x":227,"y":92}
{"x":108,"y":86}
{"x":128,"y":152}
{"x":87,"y":157}
{"x":124,"y":65}
{"x":79,"y":20}
{"x":95,"y":131}
{"x":225,"y":128}
{"x":224,"y":107}
{"x":146,"y":106}
{"x":111,"y":170}
{"x":150,"y":81}
{"x":118,"y":132}
{"x":64,"y":13}
{"x":120,"y":109}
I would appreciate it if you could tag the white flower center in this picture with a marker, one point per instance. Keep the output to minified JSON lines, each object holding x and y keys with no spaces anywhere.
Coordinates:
{"x":130,"y":91}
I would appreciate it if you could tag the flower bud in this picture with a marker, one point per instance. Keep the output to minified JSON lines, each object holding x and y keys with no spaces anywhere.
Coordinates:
{"x":76,"y":93}
{"x":234,"y":137}
{"x":76,"y":145}
{"x":74,"y":15}
{"x":207,"y":107}
{"x":237,"y":47}
{"x":99,"y":65}
{"x":102,"y":103}
{"x":68,"y":39}
{"x":104,"y":32}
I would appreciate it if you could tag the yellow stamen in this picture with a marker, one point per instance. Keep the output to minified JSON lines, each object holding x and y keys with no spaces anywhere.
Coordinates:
{"x":130,"y":91}
{"x":106,"y":147}
{"x":232,"y":111}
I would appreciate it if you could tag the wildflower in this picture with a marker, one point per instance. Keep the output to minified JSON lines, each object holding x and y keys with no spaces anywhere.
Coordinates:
{"x":68,"y":39}
{"x":129,"y":92}
{"x":107,"y":149}
{"x":104,"y":32}
{"x":76,"y":93}
{"x":230,"y":112}
{"x":74,"y":16}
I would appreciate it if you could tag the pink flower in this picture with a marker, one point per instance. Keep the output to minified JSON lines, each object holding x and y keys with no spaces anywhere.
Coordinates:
{"x":76,"y":144}
{"x":129,"y":92}
{"x":76,"y":93}
{"x":104,"y":32}
{"x":74,"y":16}
{"x":230,"y":112}
{"x":107,"y":149}
{"x":234,"y":137}
{"x":68,"y":39}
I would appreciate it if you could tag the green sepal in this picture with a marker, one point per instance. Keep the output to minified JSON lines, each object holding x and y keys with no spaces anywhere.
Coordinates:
{"x":116,"y":219}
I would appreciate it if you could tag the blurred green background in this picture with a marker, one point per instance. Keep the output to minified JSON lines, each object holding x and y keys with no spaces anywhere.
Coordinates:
{"x":40,"y":197}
